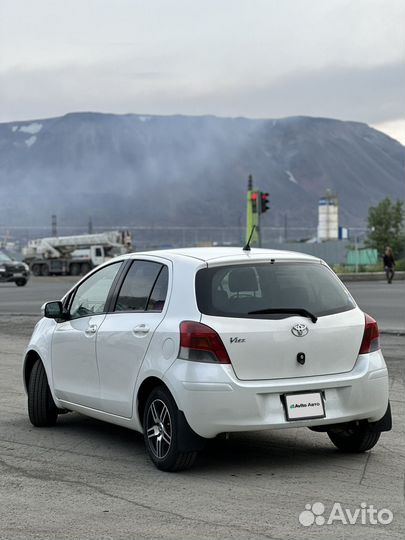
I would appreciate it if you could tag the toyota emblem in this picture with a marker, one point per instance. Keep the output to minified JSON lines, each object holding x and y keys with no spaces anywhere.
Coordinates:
{"x":300,"y":330}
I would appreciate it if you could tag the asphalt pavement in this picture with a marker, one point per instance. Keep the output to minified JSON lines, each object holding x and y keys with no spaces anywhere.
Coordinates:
{"x":29,"y":299}
{"x":88,"y":480}
{"x":386,"y":303}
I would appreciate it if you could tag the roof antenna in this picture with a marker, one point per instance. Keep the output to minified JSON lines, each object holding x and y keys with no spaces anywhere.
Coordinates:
{"x":246,"y":247}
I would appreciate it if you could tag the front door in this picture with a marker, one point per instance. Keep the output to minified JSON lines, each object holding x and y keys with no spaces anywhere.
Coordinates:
{"x":74,"y":364}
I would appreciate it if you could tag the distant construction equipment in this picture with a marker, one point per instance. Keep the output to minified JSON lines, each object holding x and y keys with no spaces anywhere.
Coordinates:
{"x":74,"y":255}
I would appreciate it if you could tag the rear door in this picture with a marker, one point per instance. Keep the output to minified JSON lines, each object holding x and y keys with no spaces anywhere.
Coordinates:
{"x":275,"y":346}
{"x":125,"y":334}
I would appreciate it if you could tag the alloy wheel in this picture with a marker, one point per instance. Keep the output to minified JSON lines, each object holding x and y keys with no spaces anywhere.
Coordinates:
{"x":159,"y":428}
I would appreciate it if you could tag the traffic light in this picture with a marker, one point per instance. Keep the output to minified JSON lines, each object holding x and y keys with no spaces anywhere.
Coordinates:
{"x":264,"y":202}
{"x":253,"y":198}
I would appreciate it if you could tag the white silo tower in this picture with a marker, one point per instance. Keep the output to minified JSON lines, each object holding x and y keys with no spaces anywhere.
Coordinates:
{"x":328,"y":217}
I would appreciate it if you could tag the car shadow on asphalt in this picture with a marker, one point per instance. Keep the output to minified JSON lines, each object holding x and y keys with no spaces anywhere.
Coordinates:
{"x":250,"y":450}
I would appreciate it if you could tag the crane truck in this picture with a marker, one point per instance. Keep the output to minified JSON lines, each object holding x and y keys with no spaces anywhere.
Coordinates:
{"x":74,"y":255}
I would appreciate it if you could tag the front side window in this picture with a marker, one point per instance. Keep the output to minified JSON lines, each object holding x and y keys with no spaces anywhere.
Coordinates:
{"x":244,"y":290}
{"x":144,"y":287}
{"x":91,"y":296}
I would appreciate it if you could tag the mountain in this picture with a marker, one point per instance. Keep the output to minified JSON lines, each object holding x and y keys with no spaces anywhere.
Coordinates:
{"x":190,"y":171}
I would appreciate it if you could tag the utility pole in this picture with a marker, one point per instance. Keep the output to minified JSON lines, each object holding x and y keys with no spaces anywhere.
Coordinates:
{"x":285,"y":227}
{"x":90,"y":226}
{"x":54,"y":226}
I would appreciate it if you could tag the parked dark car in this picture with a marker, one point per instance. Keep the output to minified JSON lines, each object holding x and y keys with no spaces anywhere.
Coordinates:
{"x":13,"y":271}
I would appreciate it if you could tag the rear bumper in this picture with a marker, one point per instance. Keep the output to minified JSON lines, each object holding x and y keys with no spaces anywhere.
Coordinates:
{"x":215,"y":401}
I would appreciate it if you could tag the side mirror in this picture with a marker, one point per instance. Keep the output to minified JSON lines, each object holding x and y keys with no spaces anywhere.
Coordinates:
{"x":54,"y":310}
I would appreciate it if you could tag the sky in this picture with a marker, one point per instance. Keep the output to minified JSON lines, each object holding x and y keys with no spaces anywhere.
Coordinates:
{"x":255,"y":58}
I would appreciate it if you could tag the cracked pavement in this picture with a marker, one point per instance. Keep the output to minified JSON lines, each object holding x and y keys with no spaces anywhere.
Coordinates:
{"x":85,"y":479}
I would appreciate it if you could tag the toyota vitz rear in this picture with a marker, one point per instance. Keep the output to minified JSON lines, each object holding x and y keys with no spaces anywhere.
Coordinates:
{"x":183,"y":345}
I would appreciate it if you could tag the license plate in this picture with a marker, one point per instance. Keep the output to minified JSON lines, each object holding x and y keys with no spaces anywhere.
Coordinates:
{"x":304,"y":406}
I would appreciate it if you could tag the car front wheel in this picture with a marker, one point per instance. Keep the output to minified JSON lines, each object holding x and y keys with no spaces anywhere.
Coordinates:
{"x":162,"y":438}
{"x":356,"y":438}
{"x":42,"y":410}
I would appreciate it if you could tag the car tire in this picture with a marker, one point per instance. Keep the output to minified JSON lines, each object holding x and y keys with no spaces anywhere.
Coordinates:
{"x":21,"y":282}
{"x":161,"y":434}
{"x":42,"y":410}
{"x":75,"y":269}
{"x":85,"y":269}
{"x":44,"y":270}
{"x":358,"y":438}
{"x":36,"y":269}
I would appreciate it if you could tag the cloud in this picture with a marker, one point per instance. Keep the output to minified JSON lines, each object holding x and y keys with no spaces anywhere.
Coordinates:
{"x":339,"y":58}
{"x":373,"y":94}
{"x":394,"y":128}
{"x":38,"y":92}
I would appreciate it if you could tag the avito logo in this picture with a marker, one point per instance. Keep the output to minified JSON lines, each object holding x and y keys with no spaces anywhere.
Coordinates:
{"x":364,"y":515}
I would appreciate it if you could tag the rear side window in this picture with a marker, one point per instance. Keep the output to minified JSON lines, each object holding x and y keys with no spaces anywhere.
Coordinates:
{"x":159,"y":292}
{"x":143,"y":288}
{"x":239,"y":290}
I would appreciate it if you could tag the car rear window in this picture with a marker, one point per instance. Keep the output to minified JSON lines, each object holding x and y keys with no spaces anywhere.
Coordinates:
{"x":238,"y":290}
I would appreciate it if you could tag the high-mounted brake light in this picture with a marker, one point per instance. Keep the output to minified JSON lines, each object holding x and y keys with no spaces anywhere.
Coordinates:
{"x":371,"y":336}
{"x":200,"y":343}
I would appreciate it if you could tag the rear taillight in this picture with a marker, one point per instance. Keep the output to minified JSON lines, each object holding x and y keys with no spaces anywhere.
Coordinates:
{"x":371,"y":336}
{"x":200,"y":343}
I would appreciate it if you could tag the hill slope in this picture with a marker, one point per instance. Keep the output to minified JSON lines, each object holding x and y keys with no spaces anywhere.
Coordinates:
{"x":178,"y":170}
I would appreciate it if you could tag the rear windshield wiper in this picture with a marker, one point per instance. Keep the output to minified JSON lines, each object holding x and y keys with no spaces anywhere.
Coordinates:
{"x":299,"y":311}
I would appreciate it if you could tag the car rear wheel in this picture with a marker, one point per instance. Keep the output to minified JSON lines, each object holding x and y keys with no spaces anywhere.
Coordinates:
{"x":42,"y":410}
{"x":36,"y":269}
{"x":21,"y":282}
{"x":85,"y":269}
{"x":357,"y":438}
{"x":75,"y":269}
{"x":161,"y":434}
{"x":44,"y":270}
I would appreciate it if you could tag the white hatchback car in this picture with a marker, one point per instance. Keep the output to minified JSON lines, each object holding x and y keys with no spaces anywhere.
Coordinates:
{"x":186,"y":344}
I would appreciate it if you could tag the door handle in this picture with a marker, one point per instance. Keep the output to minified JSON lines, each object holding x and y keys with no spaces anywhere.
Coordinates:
{"x":91,"y":330}
{"x":141,"y":330}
